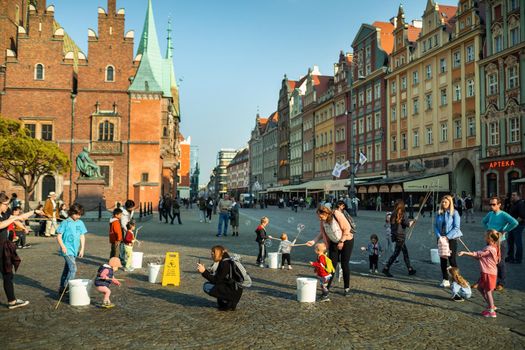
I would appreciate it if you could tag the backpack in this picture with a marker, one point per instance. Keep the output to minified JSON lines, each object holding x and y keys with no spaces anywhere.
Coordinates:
{"x":468,"y":203}
{"x":351,"y":222}
{"x":329,"y":268}
{"x":238,"y":273}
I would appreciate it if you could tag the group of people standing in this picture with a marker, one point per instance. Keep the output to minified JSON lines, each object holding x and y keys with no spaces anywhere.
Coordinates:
{"x":169,"y":209}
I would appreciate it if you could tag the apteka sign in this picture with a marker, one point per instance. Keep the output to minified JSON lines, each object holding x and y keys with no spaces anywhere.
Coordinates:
{"x":502,"y":164}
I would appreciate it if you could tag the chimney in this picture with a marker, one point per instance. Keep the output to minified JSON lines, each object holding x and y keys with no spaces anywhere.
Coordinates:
{"x":41,"y":6}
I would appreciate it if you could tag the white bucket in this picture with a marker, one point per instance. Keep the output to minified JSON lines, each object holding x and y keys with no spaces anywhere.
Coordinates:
{"x":155,"y":272}
{"x":306,"y":289}
{"x":434,"y":256}
{"x":136,"y":260}
{"x":274,"y":260}
{"x":79,"y":291}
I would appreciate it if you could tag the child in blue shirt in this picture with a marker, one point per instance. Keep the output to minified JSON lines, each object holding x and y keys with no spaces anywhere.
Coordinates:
{"x":72,"y":242}
{"x":459,"y":286}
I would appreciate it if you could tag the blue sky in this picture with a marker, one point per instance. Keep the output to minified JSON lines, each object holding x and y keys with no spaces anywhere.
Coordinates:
{"x":231,"y":55}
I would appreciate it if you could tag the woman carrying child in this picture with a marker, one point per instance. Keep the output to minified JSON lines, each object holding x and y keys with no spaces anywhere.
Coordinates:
{"x":336,"y":233}
{"x":447,"y":229}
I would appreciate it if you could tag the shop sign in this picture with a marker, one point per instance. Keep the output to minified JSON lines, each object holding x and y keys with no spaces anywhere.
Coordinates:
{"x":502,"y":164}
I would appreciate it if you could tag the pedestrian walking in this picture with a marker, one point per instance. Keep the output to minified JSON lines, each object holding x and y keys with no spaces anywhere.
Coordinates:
{"x":202,"y":209}
{"x":447,"y":228}
{"x":469,"y":208}
{"x":514,"y":241}
{"x":50,"y":210}
{"x":398,"y":224}
{"x":502,"y":222}
{"x":209,"y":209}
{"x":234,"y":217}
{"x":175,"y":211}
{"x":379,"y":203}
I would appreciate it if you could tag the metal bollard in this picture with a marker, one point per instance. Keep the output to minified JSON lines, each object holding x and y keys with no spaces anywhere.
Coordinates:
{"x":140,"y":211}
{"x":99,"y":210}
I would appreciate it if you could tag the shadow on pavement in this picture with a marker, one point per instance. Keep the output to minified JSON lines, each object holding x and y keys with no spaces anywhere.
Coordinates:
{"x":174,"y":297}
{"x":27,"y":281}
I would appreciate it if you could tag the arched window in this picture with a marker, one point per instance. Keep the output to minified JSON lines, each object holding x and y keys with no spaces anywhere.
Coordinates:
{"x":110,"y":73}
{"x":106,"y":131}
{"x":39,"y":71}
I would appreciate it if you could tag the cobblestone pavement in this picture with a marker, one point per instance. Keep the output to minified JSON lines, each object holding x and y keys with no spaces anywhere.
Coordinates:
{"x":403,"y":312}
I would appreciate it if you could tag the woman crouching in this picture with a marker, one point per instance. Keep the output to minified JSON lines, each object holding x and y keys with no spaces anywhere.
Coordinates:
{"x":220,"y":284}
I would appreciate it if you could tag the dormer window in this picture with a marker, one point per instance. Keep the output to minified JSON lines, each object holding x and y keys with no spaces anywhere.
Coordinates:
{"x":39,"y":71}
{"x":110,"y":73}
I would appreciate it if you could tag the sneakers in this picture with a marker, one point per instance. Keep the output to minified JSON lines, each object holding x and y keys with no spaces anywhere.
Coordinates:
{"x":375,"y":271}
{"x":411,"y":272}
{"x":261,"y":265}
{"x":346,"y":292}
{"x":107,"y":304}
{"x":458,"y":298}
{"x":387,"y":273}
{"x":289,"y":267}
{"x":218,"y":235}
{"x":445,"y":284}
{"x":489,"y":313}
{"x":371,"y":271}
{"x":18,"y":303}
{"x":324,"y":298}
{"x":282,"y":267}
{"x":499,"y":288}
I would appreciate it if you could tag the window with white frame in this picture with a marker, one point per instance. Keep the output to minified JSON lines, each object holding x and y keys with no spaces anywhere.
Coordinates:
{"x":369,"y":123}
{"x":354,"y":128}
{"x":514,"y":36}
{"x":492,"y":82}
{"x":469,"y":21}
{"x":443,"y":97}
{"x":494,"y":134}
{"x":513,"y":5}
{"x":394,"y":143}
{"x":456,"y":59}
{"x":469,"y":53}
{"x":428,"y":101}
{"x":369,"y":95}
{"x":415,"y":103}
{"x":361,"y":125}
{"x":498,"y":43}
{"x":512,"y":77}
{"x":39,"y":71}
{"x":457,"y":92}
{"x":415,"y":138}
{"x":444,"y":132}
{"x":369,"y":153}
{"x":377,"y":91}
{"x":442,"y":65}
{"x":457,"y":128}
{"x":429,"y":138}
{"x":415,"y":77}
{"x":403,"y":83}
{"x":377,"y":154}
{"x":343,"y":134}
{"x":404,"y":112}
{"x":403,"y":141}
{"x":377,"y":120}
{"x":393,"y":113}
{"x":514,"y":129}
{"x":471,"y":122}
{"x":337,"y":137}
{"x":361,"y":98}
{"x":470,"y":88}
{"x":393,"y":87}
{"x":428,"y":71}
{"x":354,"y":102}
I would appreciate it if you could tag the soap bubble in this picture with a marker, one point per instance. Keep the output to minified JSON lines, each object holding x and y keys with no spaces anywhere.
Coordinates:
{"x":291,"y":220}
{"x":300,"y":227}
{"x":268,"y":243}
{"x":248,"y":223}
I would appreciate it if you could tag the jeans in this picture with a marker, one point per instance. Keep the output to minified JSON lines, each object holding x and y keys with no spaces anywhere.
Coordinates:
{"x":176,"y":215}
{"x":9,"y":288}
{"x":285,"y":257}
{"x":202,"y":215}
{"x":515,"y":239}
{"x":69,"y":272}
{"x":223,"y":217}
{"x":343,"y":257}
{"x":502,"y":268}
{"x":122,"y":253}
{"x":400,"y":247}
{"x":262,"y":253}
{"x":453,"y":244}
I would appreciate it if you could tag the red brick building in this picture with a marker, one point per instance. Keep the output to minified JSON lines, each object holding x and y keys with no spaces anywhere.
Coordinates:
{"x":123,"y":108}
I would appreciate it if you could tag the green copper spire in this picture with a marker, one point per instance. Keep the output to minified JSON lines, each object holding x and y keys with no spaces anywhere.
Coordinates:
{"x":169,"y":48}
{"x":169,"y":82}
{"x":149,"y":73}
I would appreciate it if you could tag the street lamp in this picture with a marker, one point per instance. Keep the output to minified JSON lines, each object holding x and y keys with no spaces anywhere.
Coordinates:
{"x":351,"y":192}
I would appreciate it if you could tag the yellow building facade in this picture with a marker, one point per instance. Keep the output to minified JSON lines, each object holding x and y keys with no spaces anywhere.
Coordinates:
{"x":433,"y":91}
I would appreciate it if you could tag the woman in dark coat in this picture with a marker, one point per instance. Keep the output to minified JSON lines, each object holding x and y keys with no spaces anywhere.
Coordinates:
{"x":220,"y":285}
{"x":398,"y":224}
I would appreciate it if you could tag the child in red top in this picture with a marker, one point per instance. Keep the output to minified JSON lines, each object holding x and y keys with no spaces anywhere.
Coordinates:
{"x":128,"y":241}
{"x":115,"y":235}
{"x":488,"y":258}
{"x":323,"y":268}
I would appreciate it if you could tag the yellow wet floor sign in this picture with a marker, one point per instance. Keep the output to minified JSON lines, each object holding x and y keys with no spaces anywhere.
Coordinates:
{"x":171,"y":273}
